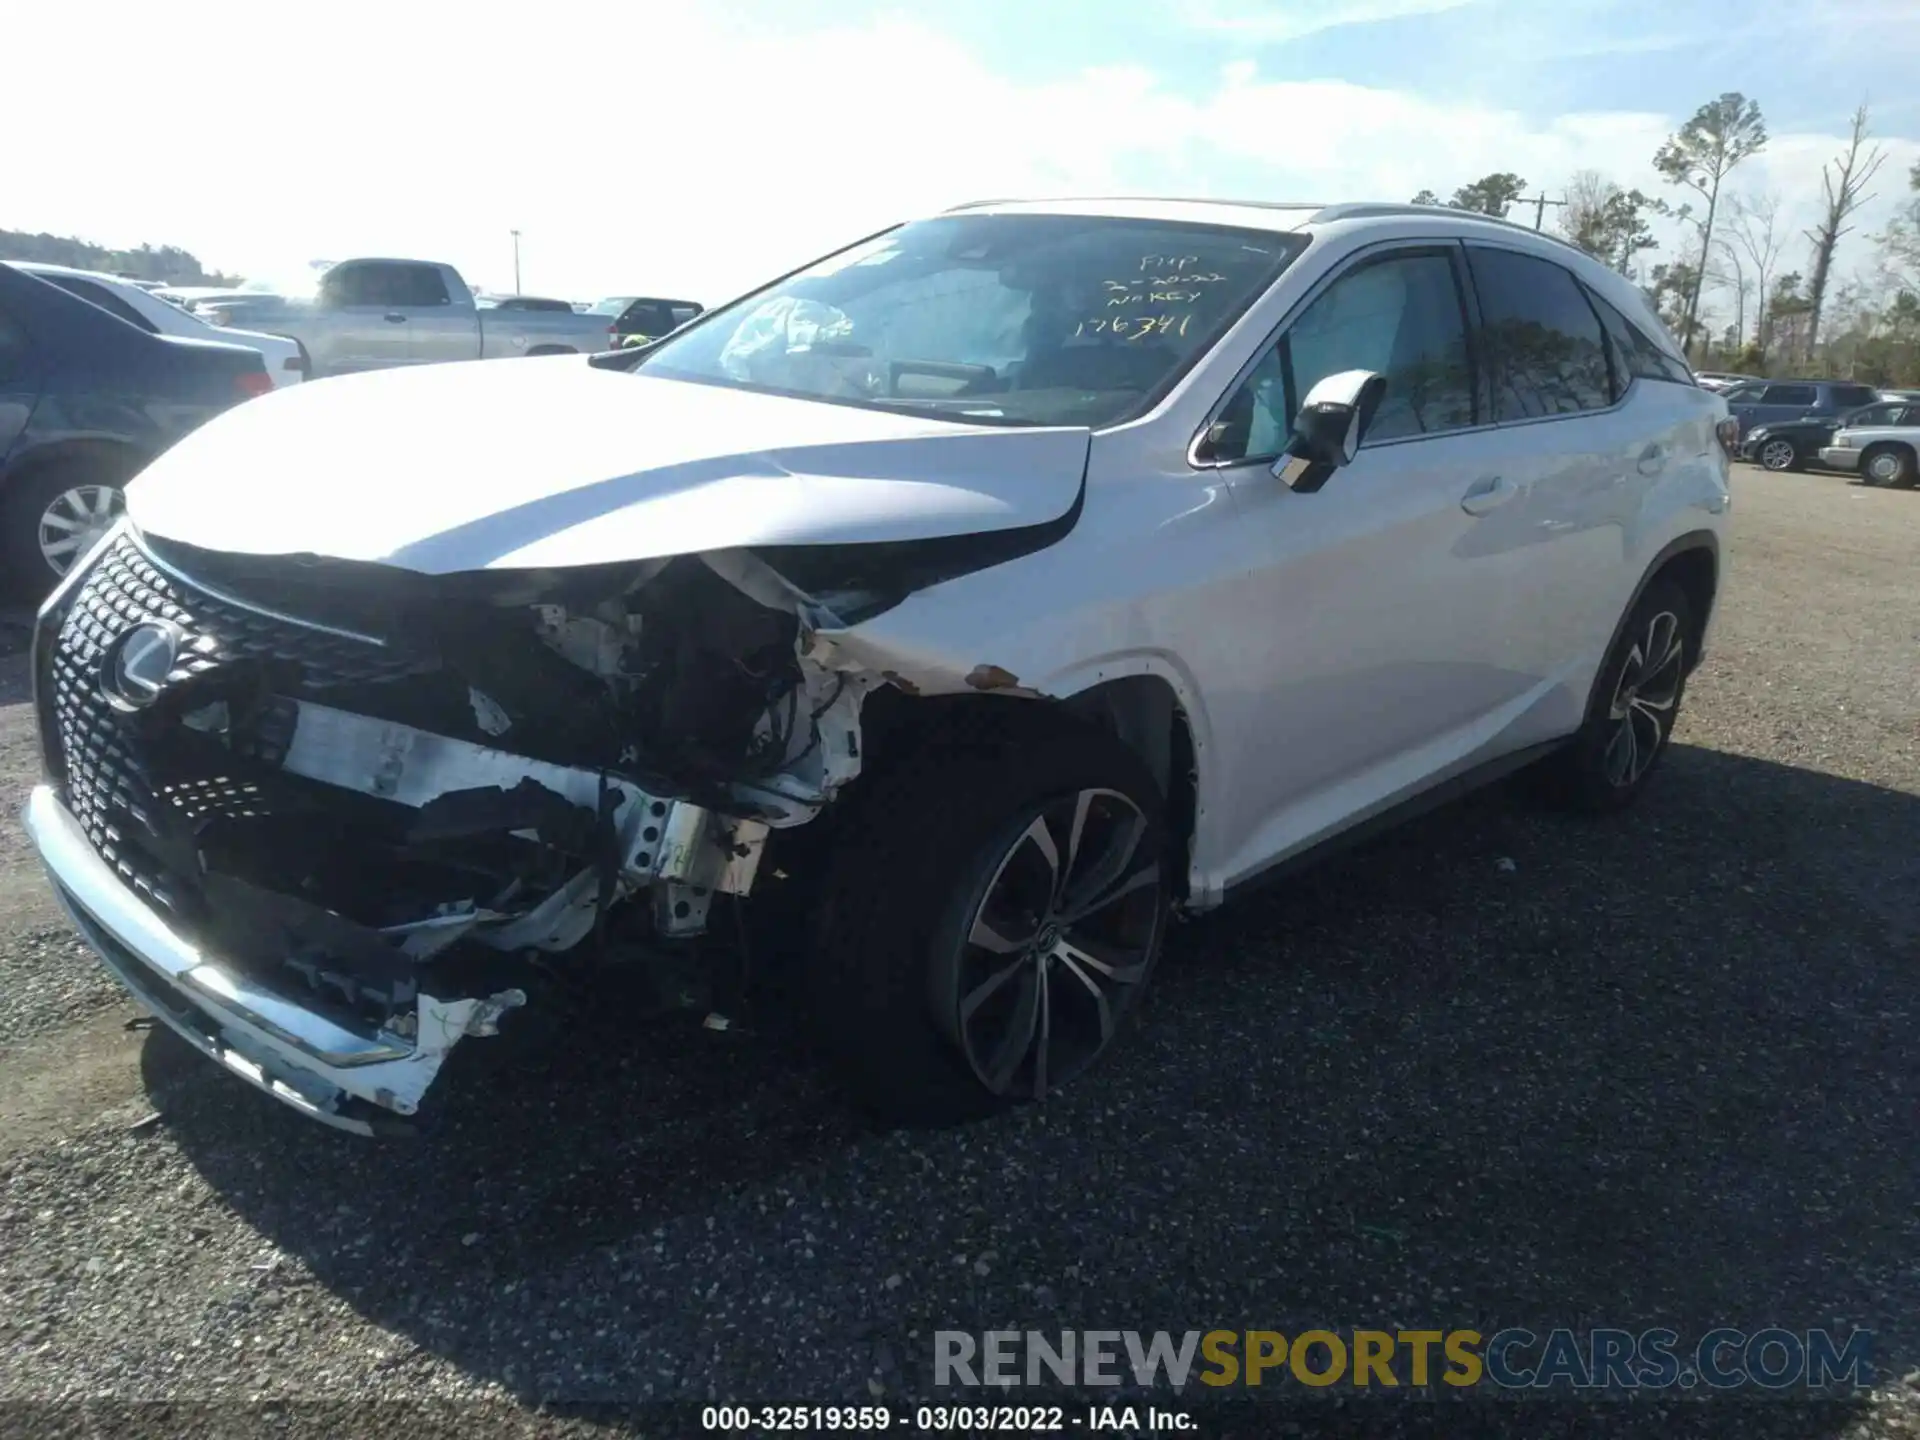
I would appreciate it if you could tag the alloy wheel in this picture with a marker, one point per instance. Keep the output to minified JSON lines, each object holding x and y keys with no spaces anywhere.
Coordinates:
{"x":1643,"y":700}
{"x":74,"y":520}
{"x":1058,"y":946}
{"x":1777,"y":454}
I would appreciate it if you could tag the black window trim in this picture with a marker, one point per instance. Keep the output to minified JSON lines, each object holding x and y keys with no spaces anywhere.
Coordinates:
{"x":1448,"y":245}
{"x":1494,"y":243}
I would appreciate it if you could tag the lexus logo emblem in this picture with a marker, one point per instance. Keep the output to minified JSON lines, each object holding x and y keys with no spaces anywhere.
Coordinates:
{"x":134,"y":670}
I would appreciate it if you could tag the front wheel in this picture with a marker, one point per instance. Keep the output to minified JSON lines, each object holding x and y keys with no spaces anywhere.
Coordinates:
{"x":1633,"y":707}
{"x":1779,"y":455}
{"x":1889,"y":465}
{"x":990,"y":922}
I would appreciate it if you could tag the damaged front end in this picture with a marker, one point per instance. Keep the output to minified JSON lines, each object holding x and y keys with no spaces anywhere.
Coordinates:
{"x":325,"y":816}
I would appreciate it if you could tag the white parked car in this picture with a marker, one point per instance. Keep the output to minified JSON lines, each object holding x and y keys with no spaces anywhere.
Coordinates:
{"x":966,"y":603}
{"x":1880,"y":448}
{"x":142,"y":308}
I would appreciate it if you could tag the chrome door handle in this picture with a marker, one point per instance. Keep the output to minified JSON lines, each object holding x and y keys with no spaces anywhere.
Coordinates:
{"x":1488,"y":494}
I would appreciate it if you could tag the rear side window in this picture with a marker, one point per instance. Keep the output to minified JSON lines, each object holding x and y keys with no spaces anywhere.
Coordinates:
{"x":1636,"y":355}
{"x":414,"y":285}
{"x":1542,"y":346}
{"x":1845,"y":397}
{"x":1790,"y":395}
{"x":99,"y":295}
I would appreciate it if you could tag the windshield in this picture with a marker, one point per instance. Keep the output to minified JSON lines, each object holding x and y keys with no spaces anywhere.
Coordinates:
{"x":1002,"y":319}
{"x":612,"y":305}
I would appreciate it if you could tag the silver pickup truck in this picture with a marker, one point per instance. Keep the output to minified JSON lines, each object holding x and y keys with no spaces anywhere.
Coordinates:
{"x":370,"y":314}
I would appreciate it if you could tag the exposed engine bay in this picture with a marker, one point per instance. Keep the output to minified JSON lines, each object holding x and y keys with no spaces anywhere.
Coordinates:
{"x":375,"y":789}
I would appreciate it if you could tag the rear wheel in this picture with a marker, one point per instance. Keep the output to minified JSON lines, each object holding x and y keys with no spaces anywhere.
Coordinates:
{"x":1633,"y":707}
{"x":54,"y":516}
{"x":990,"y":922}
{"x":1888,"y":465}
{"x":1780,"y":455}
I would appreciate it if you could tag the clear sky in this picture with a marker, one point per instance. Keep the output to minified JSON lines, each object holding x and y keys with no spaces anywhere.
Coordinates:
{"x":656,"y":146}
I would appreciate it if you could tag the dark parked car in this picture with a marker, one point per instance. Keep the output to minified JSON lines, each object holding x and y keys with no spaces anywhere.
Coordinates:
{"x":1795,"y":444}
{"x":1766,"y":402}
{"x":86,"y":400}
{"x":647,"y":319}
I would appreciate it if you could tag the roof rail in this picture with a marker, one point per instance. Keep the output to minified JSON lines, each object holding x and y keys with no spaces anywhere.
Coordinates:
{"x":1150,"y":199}
{"x":1376,"y":210}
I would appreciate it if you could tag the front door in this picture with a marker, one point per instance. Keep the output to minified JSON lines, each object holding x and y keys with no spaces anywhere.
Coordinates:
{"x":361,"y":325}
{"x":1376,"y":640}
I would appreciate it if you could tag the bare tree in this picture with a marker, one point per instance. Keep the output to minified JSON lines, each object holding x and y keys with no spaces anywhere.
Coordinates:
{"x":1607,"y":222}
{"x":1700,"y":155}
{"x":1843,"y":187}
{"x":1731,"y":272}
{"x":1754,"y":229}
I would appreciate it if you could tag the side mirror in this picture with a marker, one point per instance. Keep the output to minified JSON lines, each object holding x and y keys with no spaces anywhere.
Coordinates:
{"x":1327,"y":432}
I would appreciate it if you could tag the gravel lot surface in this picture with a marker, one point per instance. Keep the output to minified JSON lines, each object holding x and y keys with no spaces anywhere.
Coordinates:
{"x":1655,"y":1070}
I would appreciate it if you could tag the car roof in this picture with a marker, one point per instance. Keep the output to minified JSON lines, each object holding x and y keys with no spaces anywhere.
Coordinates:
{"x":1282,"y":216}
{"x":41,"y":267}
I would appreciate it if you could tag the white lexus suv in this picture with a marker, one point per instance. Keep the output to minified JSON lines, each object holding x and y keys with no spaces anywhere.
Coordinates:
{"x":954,"y":610}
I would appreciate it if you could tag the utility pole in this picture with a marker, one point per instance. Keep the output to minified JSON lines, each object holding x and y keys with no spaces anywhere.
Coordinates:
{"x":1539,"y":203}
{"x":516,"y":259}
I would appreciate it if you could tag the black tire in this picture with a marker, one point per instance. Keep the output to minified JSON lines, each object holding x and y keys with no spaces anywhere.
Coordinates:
{"x":24,"y":509}
{"x":1779,"y":453}
{"x":1587,"y":775}
{"x":1902,"y":476}
{"x":929,"y":847}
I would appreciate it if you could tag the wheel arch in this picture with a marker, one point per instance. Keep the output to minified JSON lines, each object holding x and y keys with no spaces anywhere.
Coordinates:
{"x":1891,"y":443}
{"x":1693,"y":562}
{"x":72,"y":450}
{"x":1141,"y":706}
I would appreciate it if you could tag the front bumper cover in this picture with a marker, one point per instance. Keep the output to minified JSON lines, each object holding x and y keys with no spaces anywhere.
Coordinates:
{"x":366,"y":1081}
{"x":1840,"y":458}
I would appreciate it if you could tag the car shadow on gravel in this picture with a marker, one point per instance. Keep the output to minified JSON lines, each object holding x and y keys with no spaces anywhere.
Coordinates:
{"x":1499,"y":1067}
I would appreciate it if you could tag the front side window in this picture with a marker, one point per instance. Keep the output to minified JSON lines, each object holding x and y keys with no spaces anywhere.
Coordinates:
{"x":996,"y":319}
{"x":1398,"y":316}
{"x":1543,"y":348}
{"x":1790,"y":395}
{"x":414,"y":285}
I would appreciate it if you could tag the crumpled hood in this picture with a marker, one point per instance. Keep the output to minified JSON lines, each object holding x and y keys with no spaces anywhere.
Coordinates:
{"x":554,"y":462}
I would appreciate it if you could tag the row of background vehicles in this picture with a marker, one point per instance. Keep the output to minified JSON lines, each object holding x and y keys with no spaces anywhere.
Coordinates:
{"x":101,"y":373}
{"x":1841,"y":425}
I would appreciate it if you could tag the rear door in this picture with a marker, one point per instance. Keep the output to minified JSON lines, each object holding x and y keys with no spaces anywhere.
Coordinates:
{"x":1785,"y":402}
{"x":442,"y":321}
{"x":1574,"y":458}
